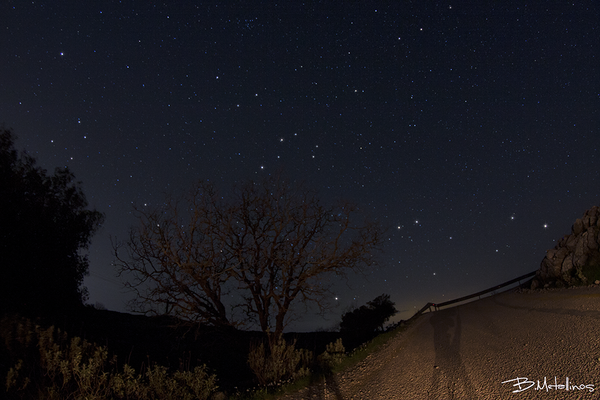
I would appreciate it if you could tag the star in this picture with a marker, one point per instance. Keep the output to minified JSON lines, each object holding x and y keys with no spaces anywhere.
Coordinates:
{"x":399,"y":149}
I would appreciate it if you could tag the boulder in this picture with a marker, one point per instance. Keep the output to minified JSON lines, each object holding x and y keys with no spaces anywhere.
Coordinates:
{"x":577,"y":227}
{"x":573,"y":255}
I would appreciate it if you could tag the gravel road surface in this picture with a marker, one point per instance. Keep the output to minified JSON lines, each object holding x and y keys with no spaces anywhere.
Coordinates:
{"x":544,"y":344}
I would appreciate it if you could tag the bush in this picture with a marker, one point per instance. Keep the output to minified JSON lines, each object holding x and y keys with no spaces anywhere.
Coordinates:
{"x":333,"y":356}
{"x":361,"y":324}
{"x":157,"y":383}
{"x":591,"y":270}
{"x":284,"y":363}
{"x":77,"y":369}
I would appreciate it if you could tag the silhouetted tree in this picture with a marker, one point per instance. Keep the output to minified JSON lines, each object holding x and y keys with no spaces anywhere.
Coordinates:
{"x":362,"y":323}
{"x":382,"y":309}
{"x":44,"y":226}
{"x":230,"y":260}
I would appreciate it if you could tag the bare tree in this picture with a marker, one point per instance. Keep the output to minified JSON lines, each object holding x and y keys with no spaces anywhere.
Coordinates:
{"x":269,"y":244}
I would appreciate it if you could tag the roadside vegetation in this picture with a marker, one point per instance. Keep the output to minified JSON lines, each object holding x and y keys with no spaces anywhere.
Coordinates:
{"x":45,"y":362}
{"x":591,"y":271}
{"x":338,"y":361}
{"x":48,"y":364}
{"x":271,"y":242}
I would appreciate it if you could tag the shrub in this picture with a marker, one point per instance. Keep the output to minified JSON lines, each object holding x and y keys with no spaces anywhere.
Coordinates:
{"x":362,"y":324}
{"x":333,"y":356}
{"x":77,"y":369}
{"x":283,"y":363}
{"x":591,"y":270}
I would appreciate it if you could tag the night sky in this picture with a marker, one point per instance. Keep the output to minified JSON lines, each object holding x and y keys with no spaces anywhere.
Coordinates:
{"x":471,"y":129}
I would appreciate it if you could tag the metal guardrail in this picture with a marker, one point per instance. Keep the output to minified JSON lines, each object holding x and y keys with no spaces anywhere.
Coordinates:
{"x":421,"y":311}
{"x":437,"y":306}
{"x":479,"y":294}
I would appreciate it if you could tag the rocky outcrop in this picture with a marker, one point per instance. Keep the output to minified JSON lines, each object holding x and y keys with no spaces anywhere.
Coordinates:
{"x":575,"y":255}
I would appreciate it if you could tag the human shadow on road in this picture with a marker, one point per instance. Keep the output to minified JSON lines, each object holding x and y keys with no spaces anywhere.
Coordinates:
{"x":450,"y":378}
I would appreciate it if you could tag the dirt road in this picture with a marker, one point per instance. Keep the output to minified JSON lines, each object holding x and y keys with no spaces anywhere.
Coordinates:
{"x":544,"y":344}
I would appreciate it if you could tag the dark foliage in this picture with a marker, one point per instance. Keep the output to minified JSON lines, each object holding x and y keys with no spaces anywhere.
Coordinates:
{"x":364,"y":322}
{"x":44,"y":226}
{"x":143,"y":342}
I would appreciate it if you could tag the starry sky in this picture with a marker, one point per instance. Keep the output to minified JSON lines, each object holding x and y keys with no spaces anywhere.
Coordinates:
{"x":470,"y":129}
